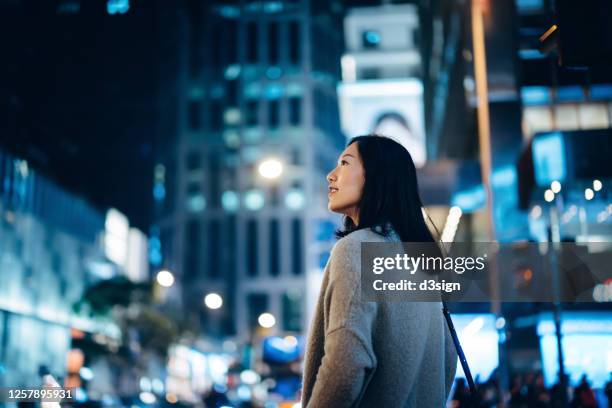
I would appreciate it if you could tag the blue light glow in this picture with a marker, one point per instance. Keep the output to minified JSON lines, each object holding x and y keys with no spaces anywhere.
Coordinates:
{"x":535,"y":95}
{"x":469,"y":200}
{"x":570,"y":94}
{"x":196,"y":203}
{"x":505,"y":176}
{"x":230,"y":201}
{"x":117,"y":6}
{"x":254,"y":200}
{"x":372,"y":37}
{"x":294,"y":200}
{"x":274,"y":91}
{"x":159,"y":192}
{"x":549,"y":158}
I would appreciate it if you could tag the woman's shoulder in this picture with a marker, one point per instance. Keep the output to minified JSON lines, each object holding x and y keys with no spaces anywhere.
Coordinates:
{"x":351,"y":244}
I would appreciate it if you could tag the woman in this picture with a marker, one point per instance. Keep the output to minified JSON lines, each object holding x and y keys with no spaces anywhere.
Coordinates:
{"x":375,"y":354}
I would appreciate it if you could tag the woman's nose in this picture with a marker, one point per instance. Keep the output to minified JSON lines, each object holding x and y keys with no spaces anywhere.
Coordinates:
{"x":331,"y":176}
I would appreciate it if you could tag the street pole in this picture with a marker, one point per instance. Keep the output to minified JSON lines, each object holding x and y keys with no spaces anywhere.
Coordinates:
{"x":555,"y":238}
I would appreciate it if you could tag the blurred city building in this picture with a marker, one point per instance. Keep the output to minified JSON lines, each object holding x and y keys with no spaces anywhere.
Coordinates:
{"x":240,"y":190}
{"x":381,"y":90}
{"x":54,"y":246}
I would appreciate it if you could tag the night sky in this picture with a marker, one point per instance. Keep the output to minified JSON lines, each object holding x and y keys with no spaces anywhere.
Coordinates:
{"x":79,"y":91}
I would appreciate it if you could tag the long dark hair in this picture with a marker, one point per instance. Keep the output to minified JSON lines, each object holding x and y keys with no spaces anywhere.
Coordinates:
{"x":390,"y":192}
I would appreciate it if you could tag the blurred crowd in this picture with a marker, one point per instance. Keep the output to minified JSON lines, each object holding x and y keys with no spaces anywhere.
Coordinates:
{"x":529,"y":391}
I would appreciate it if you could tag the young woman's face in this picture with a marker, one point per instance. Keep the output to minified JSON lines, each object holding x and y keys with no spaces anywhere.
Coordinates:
{"x":346,"y":183}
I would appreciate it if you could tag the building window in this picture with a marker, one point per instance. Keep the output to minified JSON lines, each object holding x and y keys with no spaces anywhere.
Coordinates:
{"x":216,"y":45}
{"x":193,"y":161}
{"x":214,"y":264}
{"x":196,"y":202}
{"x":292,"y":311}
{"x":273,"y":39}
{"x":216,"y":116}
{"x":273,"y":114}
{"x":257,"y":304}
{"x":232,"y":92}
{"x":214,"y":181}
{"x":296,"y":247}
{"x":251,"y":113}
{"x":416,"y":37}
{"x":295,"y":110}
{"x":251,"y":258}
{"x":370,"y":73}
{"x":294,"y":43}
{"x":192,"y":249}
{"x":193,"y":113}
{"x":231,"y":43}
{"x":274,"y":247}
{"x":251,"y":42}
{"x":370,"y":39}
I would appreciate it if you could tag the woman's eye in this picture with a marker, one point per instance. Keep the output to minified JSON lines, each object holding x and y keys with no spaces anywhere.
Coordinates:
{"x":343,"y":162}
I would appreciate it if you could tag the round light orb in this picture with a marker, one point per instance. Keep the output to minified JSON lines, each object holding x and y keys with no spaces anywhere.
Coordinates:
{"x":266,"y":320}
{"x":165,"y":278}
{"x":549,"y":195}
{"x":213,"y":301}
{"x":555,"y":186}
{"x":270,"y":168}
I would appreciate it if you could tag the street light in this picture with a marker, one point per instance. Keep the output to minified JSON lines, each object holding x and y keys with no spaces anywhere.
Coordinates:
{"x":597,"y":185}
{"x":165,"y":278}
{"x":555,"y":186}
{"x":589,"y":194}
{"x":549,"y":195}
{"x":213,"y":301}
{"x":266,"y":320}
{"x":270,"y":168}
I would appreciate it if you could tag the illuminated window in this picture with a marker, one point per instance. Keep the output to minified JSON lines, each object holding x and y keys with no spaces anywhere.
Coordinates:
{"x":537,"y":119}
{"x":230,"y":201}
{"x":566,"y":117}
{"x":294,"y":200}
{"x":254,"y":200}
{"x":593,"y":116}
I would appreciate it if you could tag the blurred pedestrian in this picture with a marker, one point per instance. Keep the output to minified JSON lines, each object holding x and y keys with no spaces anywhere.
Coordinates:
{"x":518,"y":393}
{"x":608,"y":391}
{"x":584,"y":396}
{"x":461,"y":397}
{"x":559,"y":395}
{"x":366,"y":354}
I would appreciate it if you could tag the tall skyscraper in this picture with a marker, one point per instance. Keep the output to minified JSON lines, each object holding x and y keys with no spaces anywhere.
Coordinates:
{"x":240,"y":186}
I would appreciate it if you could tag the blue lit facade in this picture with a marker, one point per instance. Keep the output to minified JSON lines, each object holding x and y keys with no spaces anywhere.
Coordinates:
{"x":48,"y":241}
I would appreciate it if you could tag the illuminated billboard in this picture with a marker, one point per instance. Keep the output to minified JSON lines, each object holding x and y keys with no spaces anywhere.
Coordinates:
{"x":386,"y":107}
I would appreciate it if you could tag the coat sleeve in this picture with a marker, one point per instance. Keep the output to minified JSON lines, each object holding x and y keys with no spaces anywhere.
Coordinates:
{"x":349,"y":359}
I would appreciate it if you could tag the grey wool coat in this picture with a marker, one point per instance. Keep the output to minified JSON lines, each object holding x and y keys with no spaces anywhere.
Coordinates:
{"x":373,"y":354}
